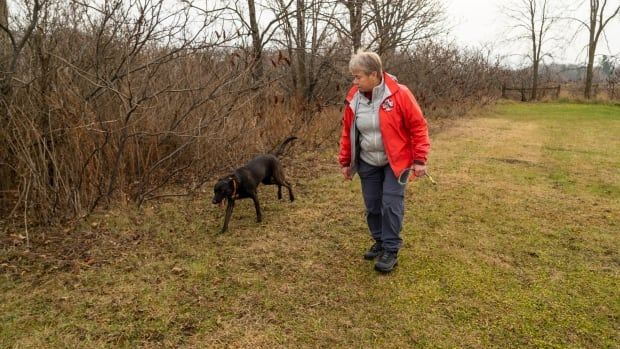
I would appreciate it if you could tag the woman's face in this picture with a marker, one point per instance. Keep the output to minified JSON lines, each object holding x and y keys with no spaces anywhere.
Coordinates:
{"x":365,"y":82}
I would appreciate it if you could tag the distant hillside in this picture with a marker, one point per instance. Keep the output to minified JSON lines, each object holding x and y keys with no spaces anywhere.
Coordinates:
{"x":570,"y":73}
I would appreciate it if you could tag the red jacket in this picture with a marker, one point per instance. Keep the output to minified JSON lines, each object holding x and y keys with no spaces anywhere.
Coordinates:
{"x":403,"y":129}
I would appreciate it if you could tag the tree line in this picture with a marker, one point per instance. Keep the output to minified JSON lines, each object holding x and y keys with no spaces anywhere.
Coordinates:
{"x":538,"y":22}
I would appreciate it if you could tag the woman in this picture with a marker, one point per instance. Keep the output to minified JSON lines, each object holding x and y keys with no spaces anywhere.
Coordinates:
{"x":384,"y":136}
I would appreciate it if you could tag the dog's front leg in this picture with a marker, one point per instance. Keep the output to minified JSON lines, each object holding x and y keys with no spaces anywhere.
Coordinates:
{"x":259,"y":215}
{"x":229,"y":209}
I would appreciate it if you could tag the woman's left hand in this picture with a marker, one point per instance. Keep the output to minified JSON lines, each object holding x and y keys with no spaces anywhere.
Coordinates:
{"x":419,"y":170}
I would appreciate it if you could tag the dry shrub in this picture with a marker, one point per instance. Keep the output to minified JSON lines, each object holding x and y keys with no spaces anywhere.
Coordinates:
{"x":118,"y":108}
{"x":446,"y":81}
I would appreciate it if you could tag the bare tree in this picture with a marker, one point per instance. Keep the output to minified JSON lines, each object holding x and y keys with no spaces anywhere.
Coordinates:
{"x":354,"y":29}
{"x":257,"y":40}
{"x":306,"y":36}
{"x":596,"y":26}
{"x":5,"y":43}
{"x":300,"y":40}
{"x":534,"y":20}
{"x":386,"y":25}
{"x":322,"y":45}
{"x":260,"y":32}
{"x":8,"y":60}
{"x":400,"y":23}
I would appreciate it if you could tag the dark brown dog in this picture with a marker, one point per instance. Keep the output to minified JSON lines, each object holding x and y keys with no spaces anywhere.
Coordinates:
{"x":244,"y":181}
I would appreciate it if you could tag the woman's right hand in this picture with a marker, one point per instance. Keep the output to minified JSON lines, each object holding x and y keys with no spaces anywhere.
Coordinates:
{"x":346,"y":172}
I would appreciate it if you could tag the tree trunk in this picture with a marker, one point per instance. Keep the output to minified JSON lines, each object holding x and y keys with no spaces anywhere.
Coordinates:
{"x":355,"y":19}
{"x":535,"y":81}
{"x":587,"y":93}
{"x":535,"y":55}
{"x":5,"y":48}
{"x":597,"y":25}
{"x":4,"y":21}
{"x":589,"y":76}
{"x":257,"y":47}
{"x":301,"y":49}
{"x":381,"y":30}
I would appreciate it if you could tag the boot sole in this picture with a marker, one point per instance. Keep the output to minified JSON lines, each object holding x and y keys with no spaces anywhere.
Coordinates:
{"x":385,"y":271}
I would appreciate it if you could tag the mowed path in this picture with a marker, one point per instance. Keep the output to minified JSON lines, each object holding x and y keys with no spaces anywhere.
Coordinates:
{"x":516,"y":246}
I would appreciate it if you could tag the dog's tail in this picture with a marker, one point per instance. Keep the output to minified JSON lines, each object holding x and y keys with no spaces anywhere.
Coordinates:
{"x":279,"y":149}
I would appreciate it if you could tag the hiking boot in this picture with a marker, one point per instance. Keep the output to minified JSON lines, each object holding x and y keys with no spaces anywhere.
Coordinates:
{"x":374,"y":251}
{"x":387,"y":262}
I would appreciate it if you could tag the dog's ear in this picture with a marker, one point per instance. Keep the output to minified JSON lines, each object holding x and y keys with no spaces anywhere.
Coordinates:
{"x":231,"y":182}
{"x":226,"y":179}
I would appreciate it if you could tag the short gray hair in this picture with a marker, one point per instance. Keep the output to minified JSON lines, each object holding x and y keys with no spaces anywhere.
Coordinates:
{"x":366,"y":62}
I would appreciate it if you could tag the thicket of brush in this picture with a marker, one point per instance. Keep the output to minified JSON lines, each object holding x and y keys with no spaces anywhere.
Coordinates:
{"x":119,"y":104}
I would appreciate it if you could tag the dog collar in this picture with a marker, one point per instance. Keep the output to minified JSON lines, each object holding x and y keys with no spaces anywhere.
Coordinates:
{"x":234,"y":194}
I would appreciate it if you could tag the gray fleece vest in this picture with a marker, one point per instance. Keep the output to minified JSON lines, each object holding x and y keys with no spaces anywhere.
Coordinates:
{"x":367,"y":123}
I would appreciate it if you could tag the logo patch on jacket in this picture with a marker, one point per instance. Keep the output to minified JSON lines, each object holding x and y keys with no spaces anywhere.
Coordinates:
{"x":388,"y":104}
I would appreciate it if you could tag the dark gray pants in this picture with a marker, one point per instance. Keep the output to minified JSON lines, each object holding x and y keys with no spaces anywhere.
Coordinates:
{"x":385,"y":207}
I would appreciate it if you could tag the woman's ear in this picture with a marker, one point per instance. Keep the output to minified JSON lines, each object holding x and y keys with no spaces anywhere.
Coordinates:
{"x":376,"y":75}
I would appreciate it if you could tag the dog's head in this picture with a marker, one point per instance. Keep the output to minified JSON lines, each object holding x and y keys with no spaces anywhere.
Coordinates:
{"x":224,"y":188}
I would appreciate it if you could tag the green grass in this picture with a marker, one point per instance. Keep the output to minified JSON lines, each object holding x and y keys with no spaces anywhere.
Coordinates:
{"x":517,"y":246}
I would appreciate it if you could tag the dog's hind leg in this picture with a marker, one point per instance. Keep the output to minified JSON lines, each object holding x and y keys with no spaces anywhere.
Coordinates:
{"x":259,"y":215}
{"x":280,"y":180}
{"x":283,"y":183}
{"x":290,"y":191}
{"x":229,"y":209}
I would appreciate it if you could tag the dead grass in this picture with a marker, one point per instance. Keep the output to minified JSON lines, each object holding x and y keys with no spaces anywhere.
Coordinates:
{"x":517,"y":246}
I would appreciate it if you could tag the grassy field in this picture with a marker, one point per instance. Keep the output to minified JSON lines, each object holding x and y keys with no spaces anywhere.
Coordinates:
{"x":516,"y":246}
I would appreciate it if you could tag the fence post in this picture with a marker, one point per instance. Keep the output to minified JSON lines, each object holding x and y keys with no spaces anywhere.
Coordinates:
{"x":557,"y":94}
{"x":503,"y":90}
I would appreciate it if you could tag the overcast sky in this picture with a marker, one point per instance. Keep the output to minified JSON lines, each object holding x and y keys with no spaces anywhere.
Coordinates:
{"x":480,"y":22}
